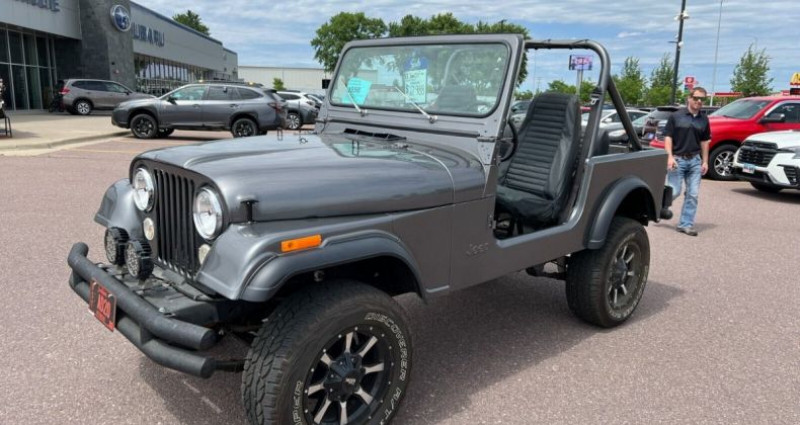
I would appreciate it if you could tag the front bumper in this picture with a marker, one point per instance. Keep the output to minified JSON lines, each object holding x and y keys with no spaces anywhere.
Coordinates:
{"x":119,"y":118}
{"x":782,"y":171}
{"x":152,"y":322}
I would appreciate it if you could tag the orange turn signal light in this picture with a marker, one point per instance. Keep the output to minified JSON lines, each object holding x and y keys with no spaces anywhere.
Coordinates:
{"x":301,"y":243}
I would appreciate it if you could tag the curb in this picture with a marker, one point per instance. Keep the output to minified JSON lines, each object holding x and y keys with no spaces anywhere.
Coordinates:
{"x":58,"y":143}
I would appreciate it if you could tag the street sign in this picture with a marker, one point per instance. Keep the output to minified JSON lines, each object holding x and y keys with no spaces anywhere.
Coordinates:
{"x":688,"y":80}
{"x":580,"y":63}
{"x":795,"y":81}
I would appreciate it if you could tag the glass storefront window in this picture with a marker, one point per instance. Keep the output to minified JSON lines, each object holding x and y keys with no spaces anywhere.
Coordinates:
{"x":20,"y":87}
{"x":35,"y":89}
{"x":41,"y":49}
{"x":3,"y":46}
{"x":29,"y":42}
{"x":15,"y":46}
{"x":5,"y":75}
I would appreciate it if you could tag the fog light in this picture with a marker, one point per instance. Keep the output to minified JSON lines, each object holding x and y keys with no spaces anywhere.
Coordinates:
{"x":115,"y":241}
{"x":202,"y":253}
{"x":137,"y":258}
{"x":149,"y":228}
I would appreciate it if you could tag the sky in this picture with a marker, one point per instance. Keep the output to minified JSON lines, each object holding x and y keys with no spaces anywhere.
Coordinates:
{"x":279,"y":33}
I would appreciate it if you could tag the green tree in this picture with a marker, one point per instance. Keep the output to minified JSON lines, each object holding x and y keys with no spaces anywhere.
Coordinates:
{"x":586,"y":91}
{"x":559,"y":86}
{"x":661,"y":80}
{"x":750,"y":75}
{"x":631,"y":82}
{"x":523,"y":95}
{"x":191,"y":20}
{"x":277,"y":84}
{"x":333,"y":35}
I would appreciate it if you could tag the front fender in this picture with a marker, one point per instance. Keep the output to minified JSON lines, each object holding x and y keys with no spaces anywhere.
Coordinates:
{"x":611,"y":202}
{"x":118,"y":210}
{"x":275,"y":271}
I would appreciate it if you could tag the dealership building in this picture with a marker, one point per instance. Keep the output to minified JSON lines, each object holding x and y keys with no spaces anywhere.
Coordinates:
{"x":44,"y":41}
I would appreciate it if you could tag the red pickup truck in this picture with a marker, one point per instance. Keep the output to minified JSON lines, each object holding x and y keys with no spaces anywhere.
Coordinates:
{"x":733,"y":123}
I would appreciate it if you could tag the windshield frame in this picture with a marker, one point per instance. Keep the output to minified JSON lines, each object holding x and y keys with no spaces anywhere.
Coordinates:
{"x":500,"y":90}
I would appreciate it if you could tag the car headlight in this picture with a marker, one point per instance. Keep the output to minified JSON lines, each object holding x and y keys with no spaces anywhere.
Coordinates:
{"x":143,"y":189}
{"x":207,"y":213}
{"x":793,"y":149}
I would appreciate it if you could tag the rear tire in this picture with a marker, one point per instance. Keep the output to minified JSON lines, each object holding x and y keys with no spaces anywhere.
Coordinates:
{"x":720,"y":161}
{"x":293,"y":121}
{"x":83,"y":107}
{"x":244,"y":127}
{"x":604,"y":286}
{"x":330,"y":345}
{"x":144,"y":126}
{"x":766,"y":188}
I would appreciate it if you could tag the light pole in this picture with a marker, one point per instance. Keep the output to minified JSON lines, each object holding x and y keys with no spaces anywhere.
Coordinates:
{"x":716,"y":55}
{"x":682,"y":17}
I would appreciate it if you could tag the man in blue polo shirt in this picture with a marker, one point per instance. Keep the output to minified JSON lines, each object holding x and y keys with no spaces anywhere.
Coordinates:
{"x":686,"y":138}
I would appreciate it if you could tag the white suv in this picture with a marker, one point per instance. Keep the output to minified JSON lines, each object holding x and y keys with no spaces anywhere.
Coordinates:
{"x":770,"y":161}
{"x":301,"y":108}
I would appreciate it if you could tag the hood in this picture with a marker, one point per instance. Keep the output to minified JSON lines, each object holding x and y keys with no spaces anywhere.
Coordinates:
{"x":144,"y":99}
{"x":305,"y":176}
{"x":783,"y":139}
{"x":719,"y":120}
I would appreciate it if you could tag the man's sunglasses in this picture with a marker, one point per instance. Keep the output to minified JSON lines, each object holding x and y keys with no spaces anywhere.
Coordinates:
{"x":700,"y":98}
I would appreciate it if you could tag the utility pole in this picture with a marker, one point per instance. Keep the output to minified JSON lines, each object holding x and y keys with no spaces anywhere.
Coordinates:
{"x":682,"y":17}
{"x":716,"y":55}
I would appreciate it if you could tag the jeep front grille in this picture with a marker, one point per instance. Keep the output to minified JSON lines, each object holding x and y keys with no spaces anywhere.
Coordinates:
{"x":757,"y":153}
{"x":176,"y":240}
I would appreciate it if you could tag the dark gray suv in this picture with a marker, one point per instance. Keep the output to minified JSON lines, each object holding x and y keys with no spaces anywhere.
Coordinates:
{"x":242,"y":109}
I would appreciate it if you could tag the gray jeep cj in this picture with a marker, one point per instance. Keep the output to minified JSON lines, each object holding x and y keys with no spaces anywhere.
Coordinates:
{"x":413,"y":181}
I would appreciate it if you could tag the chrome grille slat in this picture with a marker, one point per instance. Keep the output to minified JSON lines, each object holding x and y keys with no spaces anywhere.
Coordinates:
{"x":176,"y":242}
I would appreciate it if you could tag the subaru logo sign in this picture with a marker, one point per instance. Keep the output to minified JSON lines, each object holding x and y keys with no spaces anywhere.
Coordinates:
{"x":121,"y":18}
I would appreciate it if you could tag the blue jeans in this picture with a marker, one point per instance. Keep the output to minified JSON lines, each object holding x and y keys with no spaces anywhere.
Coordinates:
{"x":690,"y":171}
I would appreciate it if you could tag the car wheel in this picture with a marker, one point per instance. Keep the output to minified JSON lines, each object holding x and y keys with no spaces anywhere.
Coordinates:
{"x":720,"y":161}
{"x":604,"y":286}
{"x":293,"y":121}
{"x":83,"y":107}
{"x":244,"y":127}
{"x":766,"y":188}
{"x":165,"y":132}
{"x":338,"y":353}
{"x":144,"y":126}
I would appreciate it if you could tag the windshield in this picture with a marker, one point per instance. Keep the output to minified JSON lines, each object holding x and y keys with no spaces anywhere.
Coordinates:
{"x":741,"y":109}
{"x":443,"y":79}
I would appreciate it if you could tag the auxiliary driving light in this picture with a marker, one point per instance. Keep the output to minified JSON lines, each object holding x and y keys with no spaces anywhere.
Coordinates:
{"x":202,"y":253}
{"x":115,"y":241}
{"x":137,"y":258}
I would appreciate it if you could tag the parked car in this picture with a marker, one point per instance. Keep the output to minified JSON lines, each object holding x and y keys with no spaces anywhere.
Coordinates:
{"x":82,"y":96}
{"x":611,"y":120}
{"x":244,"y":110}
{"x":300,"y":108}
{"x":299,"y":249}
{"x":520,"y":106}
{"x":769,"y":161}
{"x":619,"y":136}
{"x":733,"y":123}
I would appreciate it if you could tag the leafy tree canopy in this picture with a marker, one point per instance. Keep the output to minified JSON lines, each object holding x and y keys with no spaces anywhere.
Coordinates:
{"x":750,"y":75}
{"x":277,"y":84}
{"x":630,"y":82}
{"x":333,"y":35}
{"x":191,"y":20}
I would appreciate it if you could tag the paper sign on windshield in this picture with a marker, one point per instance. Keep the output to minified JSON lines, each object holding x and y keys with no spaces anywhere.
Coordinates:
{"x":359,"y":89}
{"x":416,"y":87}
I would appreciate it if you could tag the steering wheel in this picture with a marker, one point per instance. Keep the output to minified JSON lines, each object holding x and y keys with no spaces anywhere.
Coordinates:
{"x":514,"y":141}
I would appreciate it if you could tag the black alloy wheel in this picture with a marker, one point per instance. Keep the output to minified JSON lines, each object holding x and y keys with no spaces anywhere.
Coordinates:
{"x":244,"y":127}
{"x":337,"y":353}
{"x":293,"y":121}
{"x":604,"y":286}
{"x":143,"y":126}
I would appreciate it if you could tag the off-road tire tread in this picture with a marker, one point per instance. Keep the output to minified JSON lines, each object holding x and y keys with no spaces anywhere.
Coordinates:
{"x":585,"y":274}
{"x":268,"y":360}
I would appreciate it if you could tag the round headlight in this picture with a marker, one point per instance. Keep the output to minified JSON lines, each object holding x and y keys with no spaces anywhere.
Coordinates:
{"x":207,"y":214}
{"x":143,"y":189}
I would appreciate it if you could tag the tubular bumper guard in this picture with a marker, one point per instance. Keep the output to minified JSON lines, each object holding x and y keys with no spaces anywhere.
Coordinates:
{"x":143,"y":325}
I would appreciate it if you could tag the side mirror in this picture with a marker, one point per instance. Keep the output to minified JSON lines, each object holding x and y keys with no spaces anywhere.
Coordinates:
{"x":773,"y":118}
{"x":172,"y":100}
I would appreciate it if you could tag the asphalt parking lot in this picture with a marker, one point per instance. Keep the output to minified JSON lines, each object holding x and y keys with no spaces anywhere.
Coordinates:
{"x":715,"y":340}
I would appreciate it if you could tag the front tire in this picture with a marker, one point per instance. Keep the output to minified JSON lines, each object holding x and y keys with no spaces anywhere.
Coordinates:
{"x":720,"y":161}
{"x":766,"y":188}
{"x":335,"y":353}
{"x":144,"y":126}
{"x":604,"y":286}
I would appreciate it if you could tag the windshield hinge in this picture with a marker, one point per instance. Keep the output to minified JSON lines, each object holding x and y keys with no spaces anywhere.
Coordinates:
{"x":486,"y":148}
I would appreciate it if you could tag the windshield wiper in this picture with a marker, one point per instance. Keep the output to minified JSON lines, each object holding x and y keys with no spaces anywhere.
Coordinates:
{"x":347,"y":90}
{"x":431,"y":118}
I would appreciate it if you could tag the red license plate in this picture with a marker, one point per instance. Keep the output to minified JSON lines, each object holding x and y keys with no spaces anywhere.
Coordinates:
{"x":103,"y":304}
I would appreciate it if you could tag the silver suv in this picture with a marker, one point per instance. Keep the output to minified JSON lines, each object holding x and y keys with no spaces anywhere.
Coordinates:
{"x":301,"y":108}
{"x":81,"y":97}
{"x":243,"y":109}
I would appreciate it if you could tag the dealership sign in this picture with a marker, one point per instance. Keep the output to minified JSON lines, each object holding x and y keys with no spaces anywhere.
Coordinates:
{"x":53,"y":5}
{"x":149,"y":35}
{"x":121,"y":18}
